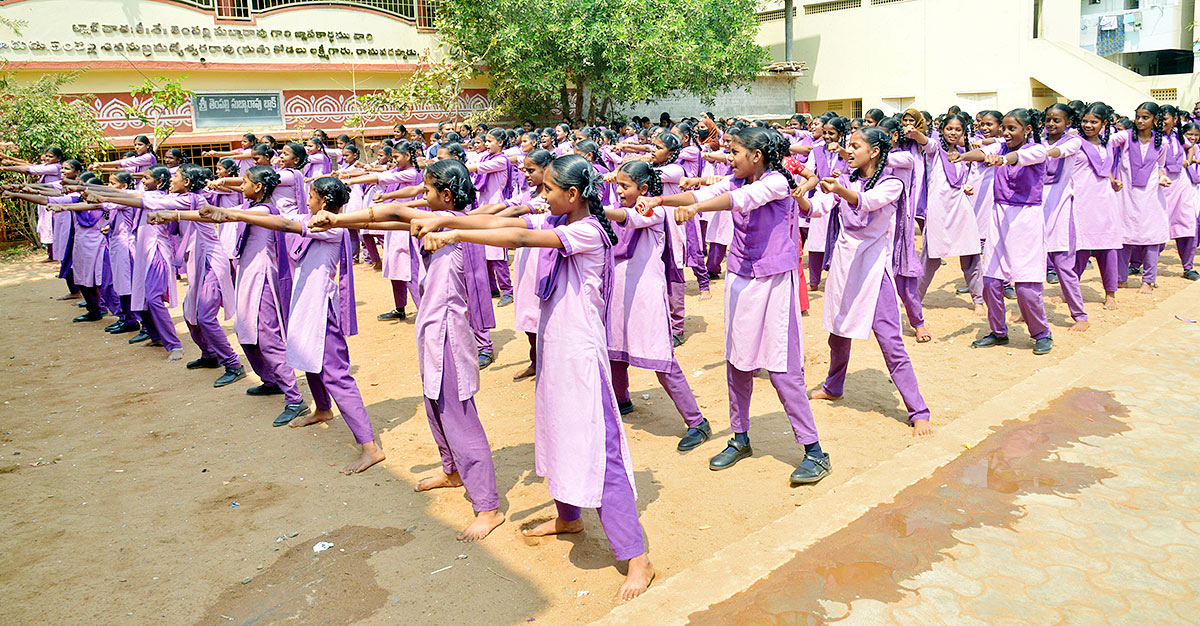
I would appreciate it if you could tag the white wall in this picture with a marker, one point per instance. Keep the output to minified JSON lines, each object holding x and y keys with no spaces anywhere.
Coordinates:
{"x":770,"y":95}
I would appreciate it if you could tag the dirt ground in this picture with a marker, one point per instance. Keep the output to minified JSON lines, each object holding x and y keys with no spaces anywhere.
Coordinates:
{"x":131,"y":491}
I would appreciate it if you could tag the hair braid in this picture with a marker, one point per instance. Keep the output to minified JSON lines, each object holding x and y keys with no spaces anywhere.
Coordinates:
{"x":596,"y":208}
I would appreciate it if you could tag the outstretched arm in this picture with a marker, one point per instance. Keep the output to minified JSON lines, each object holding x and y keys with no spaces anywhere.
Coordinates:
{"x":254,"y":218}
{"x":499,"y":237}
{"x":427,"y":224}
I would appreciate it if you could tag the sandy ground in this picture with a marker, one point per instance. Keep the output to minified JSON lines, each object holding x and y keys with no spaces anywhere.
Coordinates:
{"x":131,"y":491}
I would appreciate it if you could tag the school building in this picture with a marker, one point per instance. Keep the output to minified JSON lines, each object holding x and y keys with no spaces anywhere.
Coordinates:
{"x":988,"y":54}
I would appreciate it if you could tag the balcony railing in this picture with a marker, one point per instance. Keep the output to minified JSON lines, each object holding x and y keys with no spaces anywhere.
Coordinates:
{"x":422,"y":13}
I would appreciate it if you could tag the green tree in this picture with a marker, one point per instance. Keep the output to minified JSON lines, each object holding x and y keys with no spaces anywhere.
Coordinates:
{"x":34,"y":115}
{"x":165,"y":95}
{"x":541,"y":55}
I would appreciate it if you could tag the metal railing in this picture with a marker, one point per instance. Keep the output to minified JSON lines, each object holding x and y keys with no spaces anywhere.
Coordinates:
{"x":419,"y":12}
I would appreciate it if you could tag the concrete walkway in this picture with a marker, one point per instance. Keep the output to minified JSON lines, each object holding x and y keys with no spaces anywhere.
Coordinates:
{"x":1074,"y":498}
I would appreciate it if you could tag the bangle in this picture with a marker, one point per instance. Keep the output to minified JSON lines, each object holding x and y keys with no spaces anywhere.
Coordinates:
{"x":370,"y":213}
{"x":176,"y":215}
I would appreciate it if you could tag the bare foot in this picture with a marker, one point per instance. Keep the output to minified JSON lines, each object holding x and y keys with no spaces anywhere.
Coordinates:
{"x":525,"y":373}
{"x":1057,"y":299}
{"x":641,"y":572}
{"x":923,"y":335}
{"x":705,"y":295}
{"x":554,"y":527}
{"x":820,"y":394}
{"x":485,"y":522}
{"x":378,"y":266}
{"x":1110,"y":302}
{"x":69,"y":296}
{"x":371,"y":454}
{"x":175,"y":355}
{"x":1080,"y":326}
{"x":316,"y":417}
{"x":439,"y":482}
{"x":1017,"y":319}
{"x":981,"y":310}
{"x":1146,"y":288}
{"x":1122,"y":284}
{"x":922,"y":428}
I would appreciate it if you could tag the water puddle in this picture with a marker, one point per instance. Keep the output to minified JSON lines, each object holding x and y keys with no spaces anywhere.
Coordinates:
{"x":901,"y":539}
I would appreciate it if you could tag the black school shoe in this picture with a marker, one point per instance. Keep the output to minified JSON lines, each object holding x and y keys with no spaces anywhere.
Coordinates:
{"x":113,"y":326}
{"x":290,"y":412}
{"x":140,"y":337}
{"x":89,"y":317}
{"x":1052,"y":277}
{"x":812,"y":470}
{"x":1191,"y":275}
{"x":1043,"y":345}
{"x":625,"y":407}
{"x":989,"y":340}
{"x":125,"y":327}
{"x":729,"y":457}
{"x":265,"y":389}
{"x":695,"y":436}
{"x":1010,"y":293}
{"x":394,"y":314}
{"x":230,"y":376}
{"x":204,"y":363}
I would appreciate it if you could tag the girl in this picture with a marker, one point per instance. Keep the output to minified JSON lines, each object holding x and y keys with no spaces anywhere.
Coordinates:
{"x":1143,"y":203}
{"x":865,"y":233}
{"x":263,"y":291}
{"x":227,"y":168}
{"x":321,"y":312}
{"x":242,"y":156}
{"x":361,"y":195}
{"x":152,"y":284}
{"x":530,"y":200}
{"x":825,"y":161}
{"x":493,"y":178}
{"x":48,"y":172}
{"x":579,"y":443}
{"x":664,"y":156}
{"x":449,"y":375}
{"x":317,"y":163}
{"x":1097,"y":211}
{"x":143,"y":159}
{"x":1061,"y":224}
{"x":1192,"y":132}
{"x":762,"y":310}
{"x":638,"y":329}
{"x":692,"y":163}
{"x":120,"y":255}
{"x":1179,"y":196}
{"x":1015,"y":250}
{"x":950,"y":225}
{"x":718,"y":232}
{"x":907,"y":162}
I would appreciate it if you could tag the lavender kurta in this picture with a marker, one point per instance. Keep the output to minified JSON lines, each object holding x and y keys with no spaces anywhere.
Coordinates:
{"x":860,"y":257}
{"x":1059,"y":194}
{"x":151,"y":242}
{"x":572,"y":383}
{"x":823,"y":163}
{"x":1180,"y":197}
{"x":47,"y":173}
{"x":291,"y":195}
{"x":1015,"y":250}
{"x":316,"y":287}
{"x":208,"y":253}
{"x":120,"y":246}
{"x":493,"y":178}
{"x":761,"y":294}
{"x":1143,"y":206}
{"x":1097,"y":213}
{"x":258,"y":276}
{"x":525,"y":301}
{"x":227,"y":232}
{"x":950,"y":226}
{"x":442,"y":322}
{"x":399,"y":251}
{"x":87,"y":248}
{"x":671,"y":175}
{"x":61,"y":224}
{"x":638,"y":329}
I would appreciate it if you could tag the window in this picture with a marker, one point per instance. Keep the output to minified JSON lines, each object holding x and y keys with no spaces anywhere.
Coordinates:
{"x":892,"y":106}
{"x":1165,"y":95}
{"x":772,"y":16}
{"x":835,"y":5}
{"x":977,"y":101}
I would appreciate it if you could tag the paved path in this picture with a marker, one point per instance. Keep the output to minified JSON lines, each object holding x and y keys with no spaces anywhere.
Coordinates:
{"x":1085,"y":511}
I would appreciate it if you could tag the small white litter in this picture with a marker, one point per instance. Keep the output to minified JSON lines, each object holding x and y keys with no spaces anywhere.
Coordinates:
{"x":322,"y":546}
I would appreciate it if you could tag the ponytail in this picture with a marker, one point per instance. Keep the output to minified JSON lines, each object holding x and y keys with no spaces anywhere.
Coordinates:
{"x":573,"y":171}
{"x":875,"y":138}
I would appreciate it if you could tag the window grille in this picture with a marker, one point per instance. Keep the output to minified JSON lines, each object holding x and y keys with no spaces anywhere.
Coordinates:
{"x":834,"y":5}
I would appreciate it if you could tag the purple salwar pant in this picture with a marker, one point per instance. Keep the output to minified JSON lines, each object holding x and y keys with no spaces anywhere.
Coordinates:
{"x":460,"y":439}
{"x":499,"y":277}
{"x":268,"y":358}
{"x":128,"y":315}
{"x":886,"y":327}
{"x":1107,"y":261}
{"x":1187,"y":251}
{"x":972,"y":269}
{"x":1029,"y":299}
{"x":675,"y":293}
{"x":401,"y":289}
{"x":673,"y":382}
{"x":91,"y":298}
{"x":532,"y":348}
{"x":908,"y":288}
{"x":1144,"y":256}
{"x":156,"y":318}
{"x":1068,"y":281}
{"x":207,"y":331}
{"x":816,"y":266}
{"x":789,"y":386}
{"x":372,"y":248}
{"x":335,"y":380}
{"x":716,"y":256}
{"x":483,"y":341}
{"x":618,"y":509}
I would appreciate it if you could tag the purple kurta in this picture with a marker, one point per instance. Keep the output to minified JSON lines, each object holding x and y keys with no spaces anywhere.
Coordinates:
{"x":61,"y":224}
{"x":398,"y":248}
{"x":120,"y":246}
{"x":259,"y":268}
{"x":671,"y":175}
{"x":151,"y":243}
{"x":860,"y":257}
{"x":87,"y":248}
{"x":573,"y":389}
{"x":1180,"y":197}
{"x":207,"y":255}
{"x":823,"y":163}
{"x":1015,"y":250}
{"x":1143,"y":205}
{"x":47,"y":173}
{"x":1098,"y":224}
{"x":442,"y":327}
{"x":638,"y":329}
{"x":1059,"y":195}
{"x":319,"y":290}
{"x":525,"y":301}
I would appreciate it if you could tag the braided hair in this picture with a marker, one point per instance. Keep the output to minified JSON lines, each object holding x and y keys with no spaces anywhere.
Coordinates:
{"x":265,"y":176}
{"x":500,"y":135}
{"x":573,"y":171}
{"x":641,"y":173}
{"x":1104,"y":113}
{"x":195,"y":176}
{"x":671,"y":142}
{"x":1029,"y":118}
{"x":540,"y":157}
{"x":452,"y":175}
{"x":298,"y":153}
{"x":946,"y":119}
{"x":455,"y":151}
{"x":263,"y":149}
{"x":589,"y":150}
{"x":875,"y":138}
{"x":411,"y":148}
{"x":178,"y":154}
{"x":688,"y":129}
{"x":773,"y":145}
{"x":161,"y":176}
{"x":335,"y":193}
{"x":229,"y":165}
{"x":125,"y":178}
{"x":1072,"y":116}
{"x":1180,"y":119}
{"x":842,"y":126}
{"x":1156,"y":112}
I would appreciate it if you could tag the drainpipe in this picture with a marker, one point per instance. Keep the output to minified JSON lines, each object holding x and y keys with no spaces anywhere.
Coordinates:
{"x":787,"y":30}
